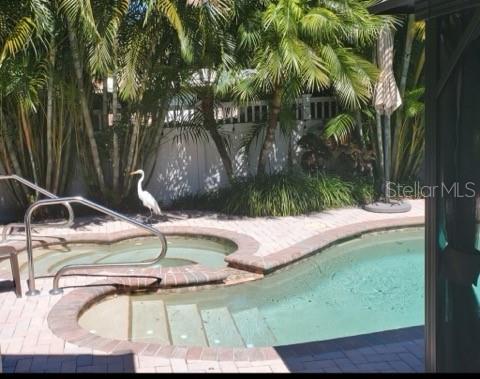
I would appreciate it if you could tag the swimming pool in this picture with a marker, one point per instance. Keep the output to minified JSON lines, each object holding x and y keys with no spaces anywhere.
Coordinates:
{"x":369,"y":284}
{"x":182,"y":250}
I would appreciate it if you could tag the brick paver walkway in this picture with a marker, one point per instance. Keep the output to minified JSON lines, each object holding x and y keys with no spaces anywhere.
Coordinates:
{"x":28,"y":345}
{"x":399,"y":350}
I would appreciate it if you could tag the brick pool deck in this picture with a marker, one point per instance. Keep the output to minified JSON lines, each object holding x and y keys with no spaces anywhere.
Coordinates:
{"x":31,"y":342}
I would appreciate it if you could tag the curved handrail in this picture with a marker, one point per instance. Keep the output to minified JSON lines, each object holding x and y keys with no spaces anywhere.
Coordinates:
{"x":80,"y":200}
{"x":25,"y":182}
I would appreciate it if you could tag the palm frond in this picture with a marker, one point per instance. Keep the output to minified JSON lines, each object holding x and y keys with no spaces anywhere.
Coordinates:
{"x":102,"y":55}
{"x":21,"y":24}
{"x":168,"y":9}
{"x":340,"y":127}
{"x":80,"y":14}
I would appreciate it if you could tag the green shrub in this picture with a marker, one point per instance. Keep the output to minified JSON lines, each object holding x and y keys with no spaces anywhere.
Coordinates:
{"x":281,"y":194}
{"x":363,"y":191}
{"x":333,"y":192}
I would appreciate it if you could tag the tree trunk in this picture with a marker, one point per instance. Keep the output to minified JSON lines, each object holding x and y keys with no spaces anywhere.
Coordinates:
{"x":407,"y":55}
{"x":419,"y":69}
{"x":49,"y":142}
{"x":115,"y":152}
{"x":358,"y":119}
{"x":222,"y":151}
{"x":105,"y":102}
{"x":87,"y":118}
{"x":138,"y":143}
{"x":274,"y":111}
{"x":12,"y":155}
{"x":61,"y":144}
{"x":5,"y":164}
{"x":61,"y":181}
{"x":28,"y":140}
{"x":160,"y":124}
{"x":131,"y":150}
{"x":210,"y":124}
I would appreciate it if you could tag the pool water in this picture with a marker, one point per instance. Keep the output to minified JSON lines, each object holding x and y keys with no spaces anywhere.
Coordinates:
{"x":365,"y":285}
{"x":182,"y":250}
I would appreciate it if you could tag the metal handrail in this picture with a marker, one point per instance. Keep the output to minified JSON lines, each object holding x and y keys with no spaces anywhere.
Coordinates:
{"x":25,"y":182}
{"x":80,"y":200}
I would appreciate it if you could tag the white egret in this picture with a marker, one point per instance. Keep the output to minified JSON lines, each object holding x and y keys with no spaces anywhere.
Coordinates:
{"x":145,"y":197}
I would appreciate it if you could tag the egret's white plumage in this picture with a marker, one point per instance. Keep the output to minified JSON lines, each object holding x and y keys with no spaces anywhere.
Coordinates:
{"x":145,"y":197}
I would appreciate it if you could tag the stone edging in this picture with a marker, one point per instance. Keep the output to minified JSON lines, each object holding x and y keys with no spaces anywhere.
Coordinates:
{"x":64,"y":316}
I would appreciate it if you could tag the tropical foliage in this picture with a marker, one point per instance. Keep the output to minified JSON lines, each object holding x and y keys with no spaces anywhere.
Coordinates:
{"x":87,"y":85}
{"x":56,"y":57}
{"x":408,"y":121}
{"x":281,"y":194}
{"x":305,"y":46}
{"x":409,"y":131}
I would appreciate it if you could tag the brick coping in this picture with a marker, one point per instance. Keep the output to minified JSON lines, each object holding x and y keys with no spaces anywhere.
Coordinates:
{"x":241,"y":241}
{"x":312,"y":245}
{"x":63,"y":317}
{"x":194,"y":274}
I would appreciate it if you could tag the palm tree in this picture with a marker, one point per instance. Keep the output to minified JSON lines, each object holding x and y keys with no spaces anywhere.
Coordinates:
{"x":209,"y":25}
{"x":116,"y":38}
{"x":408,"y":128}
{"x":300,"y":45}
{"x":35,"y":122}
{"x":60,"y":48}
{"x":24,"y":29}
{"x":408,"y":140}
{"x":52,"y":52}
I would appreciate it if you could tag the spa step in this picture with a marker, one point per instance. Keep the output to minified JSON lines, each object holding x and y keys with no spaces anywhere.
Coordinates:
{"x":149,"y":322}
{"x":186,"y":326}
{"x":253,"y":328}
{"x":220,"y":328}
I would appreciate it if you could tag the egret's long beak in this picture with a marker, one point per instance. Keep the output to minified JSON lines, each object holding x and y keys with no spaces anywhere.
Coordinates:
{"x":132,"y":173}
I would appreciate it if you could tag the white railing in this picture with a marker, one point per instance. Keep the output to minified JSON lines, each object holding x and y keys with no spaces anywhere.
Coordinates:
{"x":321,"y":108}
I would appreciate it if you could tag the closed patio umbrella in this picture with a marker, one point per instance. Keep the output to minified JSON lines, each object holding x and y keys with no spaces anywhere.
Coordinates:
{"x":386,"y":100}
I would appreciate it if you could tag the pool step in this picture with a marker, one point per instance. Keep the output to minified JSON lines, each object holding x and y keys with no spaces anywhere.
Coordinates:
{"x":109,"y":318}
{"x":253,"y":328}
{"x":186,"y":327}
{"x":149,"y":322}
{"x":220,"y":328}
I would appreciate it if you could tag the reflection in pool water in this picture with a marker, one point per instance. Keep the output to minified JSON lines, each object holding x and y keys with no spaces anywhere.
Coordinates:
{"x":368,"y":284}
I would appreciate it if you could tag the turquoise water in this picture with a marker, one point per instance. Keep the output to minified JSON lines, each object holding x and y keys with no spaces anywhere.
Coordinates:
{"x":369,"y":284}
{"x":181,"y":251}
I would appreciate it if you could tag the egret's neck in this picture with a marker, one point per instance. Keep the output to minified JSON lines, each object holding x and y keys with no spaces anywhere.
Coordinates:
{"x":139,"y":184}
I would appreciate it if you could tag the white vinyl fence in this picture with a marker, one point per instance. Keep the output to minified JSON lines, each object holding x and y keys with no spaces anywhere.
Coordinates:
{"x":189,"y":168}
